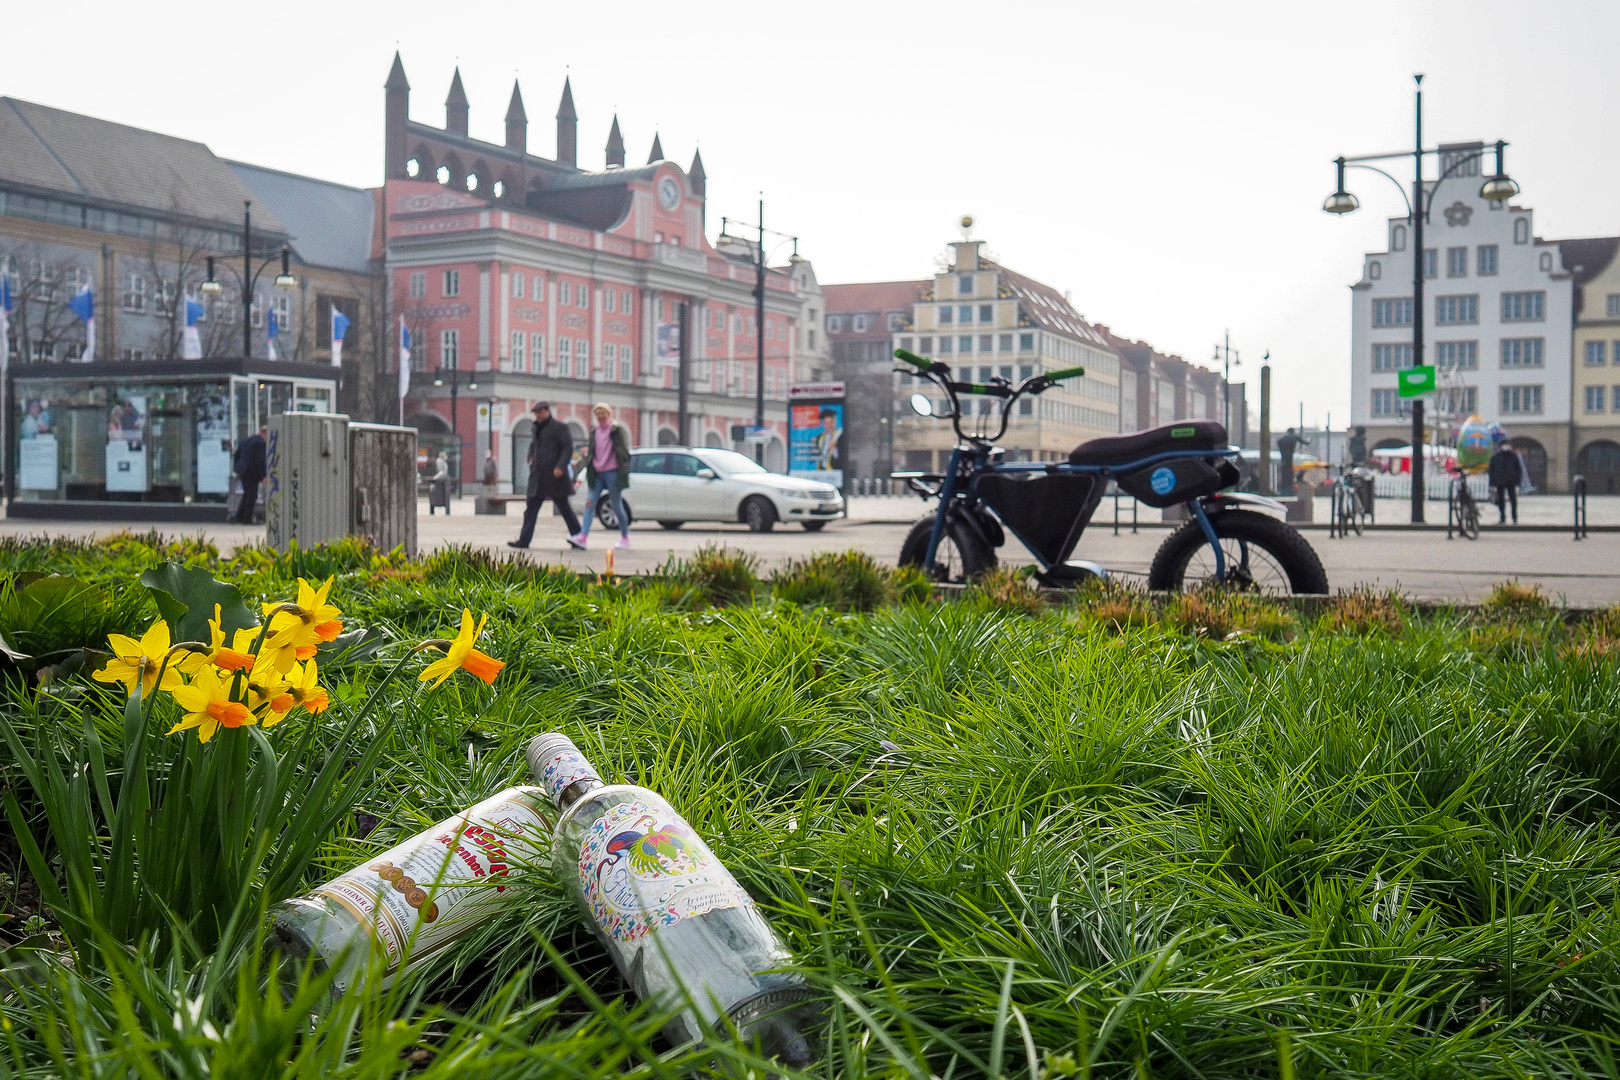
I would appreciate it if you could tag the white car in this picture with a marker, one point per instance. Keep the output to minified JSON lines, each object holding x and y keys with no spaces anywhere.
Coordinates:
{"x":676,"y":484}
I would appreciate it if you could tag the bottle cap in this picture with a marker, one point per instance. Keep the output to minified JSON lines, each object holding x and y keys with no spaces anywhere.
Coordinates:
{"x":557,"y":764}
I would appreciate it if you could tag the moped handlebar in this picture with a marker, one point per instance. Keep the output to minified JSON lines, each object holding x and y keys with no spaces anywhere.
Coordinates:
{"x":913,"y":359}
{"x":940,"y":373}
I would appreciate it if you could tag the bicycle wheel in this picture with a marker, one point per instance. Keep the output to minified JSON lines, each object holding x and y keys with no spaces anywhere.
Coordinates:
{"x":1353,"y":500}
{"x":961,"y":555}
{"x":1468,"y":515}
{"x":1262,"y":554}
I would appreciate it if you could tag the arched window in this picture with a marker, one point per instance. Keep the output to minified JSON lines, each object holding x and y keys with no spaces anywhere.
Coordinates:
{"x":1521,"y":230}
{"x":1397,"y":238}
{"x":413,"y":168}
{"x":1375,"y":270}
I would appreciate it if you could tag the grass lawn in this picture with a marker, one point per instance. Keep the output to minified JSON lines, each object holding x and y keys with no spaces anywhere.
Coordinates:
{"x":1118,"y":837}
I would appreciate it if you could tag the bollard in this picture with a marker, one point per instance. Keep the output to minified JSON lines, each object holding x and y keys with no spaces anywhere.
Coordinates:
{"x":1578,"y":487}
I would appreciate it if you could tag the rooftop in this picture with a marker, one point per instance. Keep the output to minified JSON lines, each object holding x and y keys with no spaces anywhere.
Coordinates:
{"x":330,"y":224}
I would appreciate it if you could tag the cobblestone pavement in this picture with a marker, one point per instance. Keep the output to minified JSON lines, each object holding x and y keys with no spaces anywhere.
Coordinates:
{"x":1424,"y":565}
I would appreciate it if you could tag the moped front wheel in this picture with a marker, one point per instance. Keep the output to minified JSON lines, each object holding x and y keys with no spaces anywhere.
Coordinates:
{"x":1261,"y":555}
{"x":962,"y":555}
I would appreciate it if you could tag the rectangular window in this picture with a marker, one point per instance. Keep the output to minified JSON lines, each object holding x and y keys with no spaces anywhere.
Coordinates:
{"x":610,"y":300}
{"x":1025,"y":371}
{"x":1457,"y":262}
{"x":283,"y":308}
{"x":1385,"y":403}
{"x":1521,"y":401}
{"x":925,"y":345}
{"x":452,"y":283}
{"x":418,"y":284}
{"x":1596,"y":352}
{"x":1392,"y":312}
{"x":1463,"y":400}
{"x":1391,"y":357}
{"x":449,"y":348}
{"x":1613,"y":306}
{"x":1456,"y":310}
{"x":1595,"y":396}
{"x":964,"y":313}
{"x":897,"y":321}
{"x":1616,"y":405}
{"x":582,"y":295}
{"x":565,"y":293}
{"x":1431,"y":263}
{"x":905,"y":343}
{"x":1458,"y":355}
{"x":626,"y":302}
{"x":1522,"y":352}
{"x":565,"y":357}
{"x":964,"y":285}
{"x":944,"y":346}
{"x":256,"y":313}
{"x":1487,"y":260}
{"x":537,"y":287}
{"x":518,"y":339}
{"x":1524,"y":306}
{"x":626,"y":356}
{"x":987,"y":313}
{"x":135,"y":292}
{"x":517,"y":286}
{"x":537,"y":352}
{"x":946,"y":314}
{"x":860,"y":324}
{"x":834,"y":323}
{"x":984,"y":342}
{"x":1004,"y":343}
{"x":610,"y":353}
{"x":582,"y":357}
{"x":964,"y":343}
{"x":1026,"y":342}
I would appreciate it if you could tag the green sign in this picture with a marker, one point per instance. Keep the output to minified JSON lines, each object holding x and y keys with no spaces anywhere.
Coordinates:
{"x":1416,"y":381}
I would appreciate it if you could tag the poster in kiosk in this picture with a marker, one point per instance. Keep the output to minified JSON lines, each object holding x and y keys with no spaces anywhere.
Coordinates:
{"x":816,"y":432}
{"x":308,"y":495}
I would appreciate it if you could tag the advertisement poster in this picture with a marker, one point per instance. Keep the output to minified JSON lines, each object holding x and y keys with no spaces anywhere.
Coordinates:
{"x":213,"y":445}
{"x":37,"y":466}
{"x":126,"y":443}
{"x":815,"y":433}
{"x":669,"y":343}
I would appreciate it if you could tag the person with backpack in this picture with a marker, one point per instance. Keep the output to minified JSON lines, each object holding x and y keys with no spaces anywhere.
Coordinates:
{"x":607,"y":472}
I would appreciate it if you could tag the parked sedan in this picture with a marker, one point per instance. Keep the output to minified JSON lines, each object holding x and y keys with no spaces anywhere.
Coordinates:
{"x":676,"y":484}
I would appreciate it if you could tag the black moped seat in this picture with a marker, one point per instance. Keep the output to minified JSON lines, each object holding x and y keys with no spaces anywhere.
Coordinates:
{"x":1191,"y":435}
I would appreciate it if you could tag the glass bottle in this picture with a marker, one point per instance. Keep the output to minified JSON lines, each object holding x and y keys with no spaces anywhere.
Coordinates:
{"x":418,"y":896}
{"x":678,"y":926}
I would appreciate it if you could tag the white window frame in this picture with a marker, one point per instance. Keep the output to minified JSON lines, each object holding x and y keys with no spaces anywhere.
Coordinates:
{"x":1400,"y":306}
{"x":859,"y":324}
{"x":1522,"y":400}
{"x":134,"y":292}
{"x":537,"y":353}
{"x":418,"y":285}
{"x":450,"y":284}
{"x":519,"y":357}
{"x":1520,"y":350}
{"x":517,"y":286}
{"x":1600,"y":394}
{"x":1597,"y":353}
{"x":1516,"y":305}
{"x":449,"y":348}
{"x":610,"y":302}
{"x":1480,"y":269}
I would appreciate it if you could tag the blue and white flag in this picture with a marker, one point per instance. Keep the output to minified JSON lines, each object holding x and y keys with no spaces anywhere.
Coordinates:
{"x":190,"y":339}
{"x":404,"y":357}
{"x":83,"y":305}
{"x":340,"y":326}
{"x":272,"y":328}
{"x":5,"y":322}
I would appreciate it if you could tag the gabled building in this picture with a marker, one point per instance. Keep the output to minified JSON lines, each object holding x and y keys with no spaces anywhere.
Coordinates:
{"x":1595,"y":370}
{"x":1157,"y":389}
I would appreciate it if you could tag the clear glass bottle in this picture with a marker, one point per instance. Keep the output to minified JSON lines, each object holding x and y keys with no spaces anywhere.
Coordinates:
{"x":418,"y":896}
{"x":677,"y":924}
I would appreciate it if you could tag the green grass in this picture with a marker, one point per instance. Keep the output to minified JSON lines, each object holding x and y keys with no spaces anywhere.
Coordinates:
{"x":1120,"y":837}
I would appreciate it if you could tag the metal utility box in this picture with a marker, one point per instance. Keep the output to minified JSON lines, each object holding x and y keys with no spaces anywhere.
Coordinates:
{"x":383,"y":502}
{"x":308,"y":497}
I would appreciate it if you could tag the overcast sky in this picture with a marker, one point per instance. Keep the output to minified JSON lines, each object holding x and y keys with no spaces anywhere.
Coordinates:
{"x":1166,"y":163}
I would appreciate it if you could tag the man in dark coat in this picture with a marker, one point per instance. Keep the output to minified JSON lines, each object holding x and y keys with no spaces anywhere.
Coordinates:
{"x":549,"y":457}
{"x":249,"y":465}
{"x":1506,"y":473}
{"x":1285,"y":465}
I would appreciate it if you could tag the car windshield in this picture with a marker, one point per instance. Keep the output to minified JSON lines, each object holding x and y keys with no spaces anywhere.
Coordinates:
{"x":731,"y":463}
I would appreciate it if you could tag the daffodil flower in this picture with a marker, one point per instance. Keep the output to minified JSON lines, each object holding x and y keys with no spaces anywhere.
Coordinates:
{"x":136,"y":663}
{"x":302,"y":688}
{"x":461,"y":654}
{"x":239,"y":657}
{"x":208,"y":707}
{"x":295,"y":635}
{"x":266,"y":696}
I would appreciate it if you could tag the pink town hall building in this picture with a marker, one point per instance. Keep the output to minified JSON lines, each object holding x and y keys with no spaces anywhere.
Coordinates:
{"x":522,"y":278}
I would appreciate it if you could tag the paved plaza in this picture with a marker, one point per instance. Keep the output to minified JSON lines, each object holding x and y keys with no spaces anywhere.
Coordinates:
{"x":1421,"y":564}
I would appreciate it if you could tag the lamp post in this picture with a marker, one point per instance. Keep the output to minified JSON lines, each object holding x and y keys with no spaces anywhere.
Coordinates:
{"x":1228,"y":359}
{"x":455,"y":386}
{"x":1496,"y":187}
{"x":250,"y":277}
{"x":759,"y":304}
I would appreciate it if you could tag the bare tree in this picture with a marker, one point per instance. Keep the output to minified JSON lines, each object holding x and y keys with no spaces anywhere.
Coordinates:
{"x":43,"y":326}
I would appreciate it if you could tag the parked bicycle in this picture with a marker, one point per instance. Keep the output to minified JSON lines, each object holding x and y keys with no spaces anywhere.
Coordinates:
{"x":1232,"y":538}
{"x":1352,"y":501}
{"x":1462,"y":509}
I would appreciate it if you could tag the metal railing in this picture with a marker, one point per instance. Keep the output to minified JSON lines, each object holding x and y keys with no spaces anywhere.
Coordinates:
{"x":1578,"y":488}
{"x":1135,"y":506}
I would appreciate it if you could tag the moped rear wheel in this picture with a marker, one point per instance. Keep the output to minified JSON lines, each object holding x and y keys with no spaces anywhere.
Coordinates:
{"x":961,"y":557}
{"x":1262,"y":555}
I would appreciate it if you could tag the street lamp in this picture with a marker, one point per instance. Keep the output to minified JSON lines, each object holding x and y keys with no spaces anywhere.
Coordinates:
{"x":250,"y":276}
{"x":1230,"y":361}
{"x":759,"y":302}
{"x":1498,"y":186}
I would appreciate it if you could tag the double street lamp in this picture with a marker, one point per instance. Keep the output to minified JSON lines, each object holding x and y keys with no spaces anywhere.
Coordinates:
{"x":725,"y":238}
{"x":250,"y":277}
{"x":1497,"y":187}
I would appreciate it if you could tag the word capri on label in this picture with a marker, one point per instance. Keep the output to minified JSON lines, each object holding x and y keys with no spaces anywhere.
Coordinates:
{"x":678,"y":926}
{"x":401,"y":907}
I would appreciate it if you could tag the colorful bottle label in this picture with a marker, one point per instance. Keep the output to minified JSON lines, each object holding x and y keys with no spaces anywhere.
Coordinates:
{"x":642,"y":868}
{"x":420,"y":895}
{"x":563,"y":769}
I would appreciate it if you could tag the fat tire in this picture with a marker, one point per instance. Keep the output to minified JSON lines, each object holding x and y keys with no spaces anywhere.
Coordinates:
{"x":813,"y":526}
{"x":671,"y":525}
{"x":977,"y":557}
{"x":766,"y":519}
{"x":1293,"y":553}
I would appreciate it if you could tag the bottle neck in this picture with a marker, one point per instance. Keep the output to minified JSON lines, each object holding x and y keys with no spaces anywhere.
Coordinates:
{"x":576,"y":791}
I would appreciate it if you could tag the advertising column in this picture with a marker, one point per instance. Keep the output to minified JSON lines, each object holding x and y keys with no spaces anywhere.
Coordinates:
{"x":815,"y":432}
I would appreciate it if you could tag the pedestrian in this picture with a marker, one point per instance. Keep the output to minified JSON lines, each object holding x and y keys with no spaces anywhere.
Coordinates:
{"x":1506,"y":473}
{"x":249,"y":465}
{"x":1285,"y":454}
{"x":607,"y":472}
{"x":439,"y":485}
{"x":1357,"y":445}
{"x":549,"y":456}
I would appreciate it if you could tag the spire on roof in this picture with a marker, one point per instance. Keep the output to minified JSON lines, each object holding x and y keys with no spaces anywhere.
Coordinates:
{"x":455,"y":106}
{"x":657,"y":150}
{"x":565,"y":108}
{"x":517,"y":122}
{"x":514,"y":110}
{"x":615,"y":145}
{"x":396,"y":75}
{"x":697,"y":176}
{"x":567,"y":128}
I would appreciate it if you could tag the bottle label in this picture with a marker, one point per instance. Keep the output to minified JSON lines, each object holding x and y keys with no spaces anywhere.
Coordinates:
{"x":642,"y":868}
{"x":420,"y":895}
{"x":565,"y":768}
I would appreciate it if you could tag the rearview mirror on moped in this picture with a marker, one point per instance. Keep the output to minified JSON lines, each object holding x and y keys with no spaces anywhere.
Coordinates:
{"x":921,"y":405}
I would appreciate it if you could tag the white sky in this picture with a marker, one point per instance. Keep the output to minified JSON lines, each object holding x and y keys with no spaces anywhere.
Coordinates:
{"x":1166,"y":162}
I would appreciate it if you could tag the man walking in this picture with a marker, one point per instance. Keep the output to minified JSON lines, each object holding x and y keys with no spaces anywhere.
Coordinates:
{"x":607,"y":472}
{"x":1285,"y":463}
{"x":549,"y":455}
{"x":250,"y":467}
{"x":1506,"y":473}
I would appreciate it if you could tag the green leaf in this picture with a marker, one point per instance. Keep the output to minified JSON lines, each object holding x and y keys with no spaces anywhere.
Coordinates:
{"x":186,"y":599}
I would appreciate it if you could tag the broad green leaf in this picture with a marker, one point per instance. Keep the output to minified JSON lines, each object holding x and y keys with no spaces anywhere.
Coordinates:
{"x":186,"y":598}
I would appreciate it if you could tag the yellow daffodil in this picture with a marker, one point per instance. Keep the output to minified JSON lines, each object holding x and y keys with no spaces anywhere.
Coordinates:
{"x":303,"y":689}
{"x":136,"y":663}
{"x":208,"y":707}
{"x":294,"y":636}
{"x":461,"y":654}
{"x":239,"y":657}
{"x":266,"y":695}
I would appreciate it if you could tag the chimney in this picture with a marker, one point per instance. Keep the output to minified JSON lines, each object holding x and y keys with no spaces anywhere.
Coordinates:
{"x":517,"y":122}
{"x":567,"y":128}
{"x":397,"y":113}
{"x":455,"y":107}
{"x":657,"y":153}
{"x":615,"y":145}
